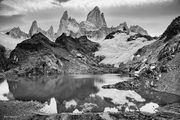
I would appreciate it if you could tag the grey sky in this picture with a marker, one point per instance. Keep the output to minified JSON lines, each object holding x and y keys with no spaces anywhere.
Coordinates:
{"x":153,"y":15}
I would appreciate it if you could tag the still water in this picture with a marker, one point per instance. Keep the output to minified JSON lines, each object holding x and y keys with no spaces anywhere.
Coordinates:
{"x":74,"y":93}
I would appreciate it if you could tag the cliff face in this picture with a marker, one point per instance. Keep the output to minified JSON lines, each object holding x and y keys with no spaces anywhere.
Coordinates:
{"x":2,"y":58}
{"x":97,"y":18}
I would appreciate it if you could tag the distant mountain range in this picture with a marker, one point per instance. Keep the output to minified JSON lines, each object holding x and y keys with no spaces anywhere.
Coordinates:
{"x":94,"y":27}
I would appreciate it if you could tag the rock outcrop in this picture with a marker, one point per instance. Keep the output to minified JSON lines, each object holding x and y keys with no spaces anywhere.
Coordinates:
{"x":17,"y":33}
{"x":158,"y":62}
{"x":124,"y":27}
{"x":97,"y":18}
{"x":138,"y":29}
{"x":172,"y":30}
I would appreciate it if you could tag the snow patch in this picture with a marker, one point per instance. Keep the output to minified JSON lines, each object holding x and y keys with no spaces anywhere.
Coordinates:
{"x":4,"y":89}
{"x":76,"y":111}
{"x":119,"y":50}
{"x":70,"y":104}
{"x":150,"y":108}
{"x":111,"y":110}
{"x":50,"y":108}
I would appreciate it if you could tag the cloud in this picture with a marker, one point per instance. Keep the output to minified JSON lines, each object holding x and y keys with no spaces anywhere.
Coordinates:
{"x":7,"y":22}
{"x":109,"y":3}
{"x":15,"y":7}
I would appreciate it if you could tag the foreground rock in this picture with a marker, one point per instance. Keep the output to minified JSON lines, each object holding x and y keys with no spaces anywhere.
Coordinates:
{"x":17,"y":110}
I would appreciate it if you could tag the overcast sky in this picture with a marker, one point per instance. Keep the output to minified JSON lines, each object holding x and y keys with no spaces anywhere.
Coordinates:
{"x":152,"y":15}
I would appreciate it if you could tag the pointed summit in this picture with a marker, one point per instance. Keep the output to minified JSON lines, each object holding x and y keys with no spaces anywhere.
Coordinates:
{"x":34,"y":28}
{"x":96,"y":8}
{"x":97,"y":18}
{"x":65,"y":15}
{"x":63,"y":23}
{"x":50,"y":32}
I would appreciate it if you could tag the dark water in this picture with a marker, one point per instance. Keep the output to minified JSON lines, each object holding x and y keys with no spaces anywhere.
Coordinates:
{"x":83,"y":92}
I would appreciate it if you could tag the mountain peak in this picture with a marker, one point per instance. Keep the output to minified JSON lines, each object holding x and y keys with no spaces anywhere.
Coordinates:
{"x":34,"y":28}
{"x":50,"y":31}
{"x":138,"y":29}
{"x":65,"y":15}
{"x":96,"y":17}
{"x":63,"y":23}
{"x":34,"y":23}
{"x":96,"y":8}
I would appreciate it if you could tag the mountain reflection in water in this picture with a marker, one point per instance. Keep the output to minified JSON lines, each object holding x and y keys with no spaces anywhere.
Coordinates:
{"x":75,"y":92}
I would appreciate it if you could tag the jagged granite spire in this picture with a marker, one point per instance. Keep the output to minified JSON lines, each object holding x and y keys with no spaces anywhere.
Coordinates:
{"x":34,"y":28}
{"x":63,"y":23}
{"x":50,"y":31}
{"x":97,"y":18}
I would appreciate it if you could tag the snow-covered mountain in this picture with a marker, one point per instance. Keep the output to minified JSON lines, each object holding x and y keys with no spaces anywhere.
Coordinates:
{"x":119,"y":48}
{"x":17,"y":33}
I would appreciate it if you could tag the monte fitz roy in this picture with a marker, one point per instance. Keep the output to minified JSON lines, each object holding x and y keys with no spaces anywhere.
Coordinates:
{"x":89,"y":67}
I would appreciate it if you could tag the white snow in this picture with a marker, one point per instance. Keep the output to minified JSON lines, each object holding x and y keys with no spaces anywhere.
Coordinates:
{"x":76,"y":111}
{"x":4,"y":89}
{"x":119,"y":50}
{"x":70,"y":104}
{"x":150,"y":108}
{"x":111,"y":110}
{"x":8,"y":41}
{"x":117,"y":96}
{"x":50,"y":108}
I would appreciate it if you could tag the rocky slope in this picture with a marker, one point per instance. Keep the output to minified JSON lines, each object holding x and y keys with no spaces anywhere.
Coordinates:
{"x":39,"y":56}
{"x":158,"y":62}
